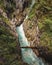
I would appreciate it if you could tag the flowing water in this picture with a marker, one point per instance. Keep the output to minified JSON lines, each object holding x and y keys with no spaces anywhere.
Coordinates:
{"x":28,"y":55}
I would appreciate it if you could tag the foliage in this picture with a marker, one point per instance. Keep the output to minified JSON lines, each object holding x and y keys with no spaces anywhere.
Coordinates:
{"x":9,"y":52}
{"x":41,"y":12}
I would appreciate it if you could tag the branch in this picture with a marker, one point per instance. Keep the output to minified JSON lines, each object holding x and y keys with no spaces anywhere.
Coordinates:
{"x":29,"y":47}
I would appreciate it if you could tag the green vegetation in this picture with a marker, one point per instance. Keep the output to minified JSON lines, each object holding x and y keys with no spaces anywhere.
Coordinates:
{"x":7,"y":45}
{"x":9,"y":49}
{"x":5,"y":20}
{"x":41,"y":12}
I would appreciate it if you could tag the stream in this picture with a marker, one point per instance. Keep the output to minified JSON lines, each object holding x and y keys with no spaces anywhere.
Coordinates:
{"x":28,"y":55}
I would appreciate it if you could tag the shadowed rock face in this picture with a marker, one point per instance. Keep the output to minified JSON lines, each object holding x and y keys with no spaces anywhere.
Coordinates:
{"x":16,"y":9}
{"x":16,"y":5}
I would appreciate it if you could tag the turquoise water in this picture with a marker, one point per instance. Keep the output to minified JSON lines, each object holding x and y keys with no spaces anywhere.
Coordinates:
{"x":28,"y":55}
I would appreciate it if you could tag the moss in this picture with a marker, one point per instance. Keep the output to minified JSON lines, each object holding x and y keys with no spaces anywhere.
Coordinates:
{"x":46,"y":33}
{"x":6,"y":20}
